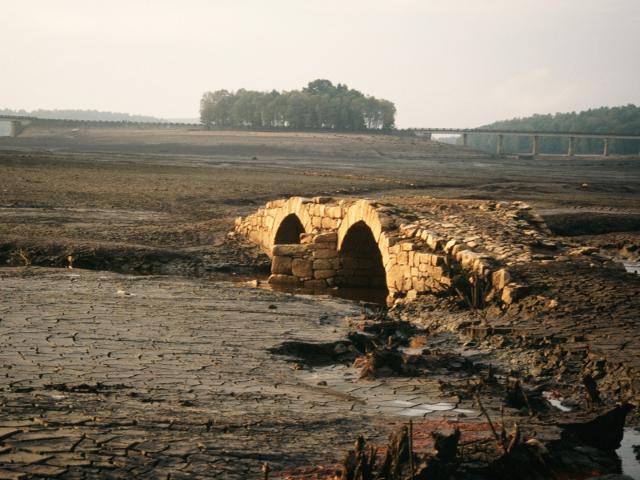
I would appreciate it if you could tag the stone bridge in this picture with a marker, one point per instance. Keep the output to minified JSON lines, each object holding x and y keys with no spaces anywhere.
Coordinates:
{"x":462,"y":248}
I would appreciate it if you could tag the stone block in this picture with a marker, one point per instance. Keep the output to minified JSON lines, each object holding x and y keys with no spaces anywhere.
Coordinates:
{"x":329,"y":223}
{"x":500,"y":279}
{"x":434,"y":242}
{"x":325,"y":264}
{"x":280,"y":264}
{"x":331,"y":237}
{"x":286,"y":280}
{"x":449,"y":245}
{"x":302,"y":268}
{"x":306,"y":237}
{"x":293,"y":250}
{"x":395,"y":277}
{"x":325,"y":253}
{"x":324,"y":274}
{"x":467,"y":258}
{"x":512,"y":292}
{"x":437,"y":260}
{"x":316,"y":284}
{"x":333,"y":212}
{"x":412,"y":294}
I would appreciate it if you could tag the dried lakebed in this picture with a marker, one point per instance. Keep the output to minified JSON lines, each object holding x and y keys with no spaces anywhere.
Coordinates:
{"x":149,"y":376}
{"x":135,"y":376}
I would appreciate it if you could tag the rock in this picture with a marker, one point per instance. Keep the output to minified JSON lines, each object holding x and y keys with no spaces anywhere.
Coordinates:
{"x":511,"y":293}
{"x":500,"y":278}
{"x":281,"y":265}
{"x":293,"y":250}
{"x":323,"y":274}
{"x":583,"y":251}
{"x":302,"y":268}
{"x":331,"y":237}
{"x":286,"y":280}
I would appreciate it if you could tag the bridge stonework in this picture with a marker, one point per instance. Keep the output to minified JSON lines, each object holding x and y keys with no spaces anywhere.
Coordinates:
{"x":434,"y":246}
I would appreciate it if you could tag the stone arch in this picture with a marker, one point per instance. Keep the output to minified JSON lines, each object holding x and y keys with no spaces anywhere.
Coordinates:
{"x":360,"y":259}
{"x":363,"y":211}
{"x":289,"y":230}
{"x":365,"y":215}
{"x":297,"y":206}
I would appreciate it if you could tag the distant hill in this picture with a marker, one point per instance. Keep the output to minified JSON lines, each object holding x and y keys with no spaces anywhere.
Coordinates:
{"x":624,"y":119}
{"x":83,"y":115}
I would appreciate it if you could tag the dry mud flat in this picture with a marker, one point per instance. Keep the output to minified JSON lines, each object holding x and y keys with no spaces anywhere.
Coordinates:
{"x":106,"y":375}
{"x":113,"y":376}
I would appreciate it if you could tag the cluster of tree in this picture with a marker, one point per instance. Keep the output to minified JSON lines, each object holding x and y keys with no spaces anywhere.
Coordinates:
{"x":319,"y":106}
{"x":621,"y":120}
{"x":90,"y":115}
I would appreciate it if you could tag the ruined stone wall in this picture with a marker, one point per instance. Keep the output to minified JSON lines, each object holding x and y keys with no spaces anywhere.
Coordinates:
{"x":312,"y":264}
{"x":418,"y":252}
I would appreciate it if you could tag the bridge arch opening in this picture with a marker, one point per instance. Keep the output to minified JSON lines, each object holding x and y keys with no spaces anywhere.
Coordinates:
{"x":360,"y":260}
{"x":289,"y":230}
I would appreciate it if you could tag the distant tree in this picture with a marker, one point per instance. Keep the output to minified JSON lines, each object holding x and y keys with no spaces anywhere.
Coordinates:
{"x":320,"y":105}
{"x":83,"y":115}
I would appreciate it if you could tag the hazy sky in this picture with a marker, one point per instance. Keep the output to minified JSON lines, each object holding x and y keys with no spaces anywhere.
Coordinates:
{"x":442,"y":62}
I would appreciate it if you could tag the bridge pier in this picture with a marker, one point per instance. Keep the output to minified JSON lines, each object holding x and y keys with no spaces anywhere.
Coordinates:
{"x":14,"y":128}
{"x":535,"y":145}
{"x":465,"y":139}
{"x":605,"y":148}
{"x":572,"y":147}
{"x":500,"y":145}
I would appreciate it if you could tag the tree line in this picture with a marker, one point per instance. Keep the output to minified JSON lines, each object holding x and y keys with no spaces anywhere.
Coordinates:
{"x":321,"y":105}
{"x":621,"y":120}
{"x":89,"y":115}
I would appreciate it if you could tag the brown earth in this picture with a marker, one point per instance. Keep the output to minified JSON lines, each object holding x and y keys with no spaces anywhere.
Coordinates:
{"x":163,"y":201}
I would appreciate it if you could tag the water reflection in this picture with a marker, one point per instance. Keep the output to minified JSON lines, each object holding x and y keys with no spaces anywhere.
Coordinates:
{"x":633,"y":267}
{"x":630,"y":463}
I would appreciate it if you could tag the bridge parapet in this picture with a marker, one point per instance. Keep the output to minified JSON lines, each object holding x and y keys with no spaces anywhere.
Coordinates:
{"x":430,"y":246}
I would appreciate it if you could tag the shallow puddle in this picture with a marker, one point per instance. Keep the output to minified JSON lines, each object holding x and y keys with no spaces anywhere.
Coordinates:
{"x":632,"y":267}
{"x":376,"y":296}
{"x":630,"y":464}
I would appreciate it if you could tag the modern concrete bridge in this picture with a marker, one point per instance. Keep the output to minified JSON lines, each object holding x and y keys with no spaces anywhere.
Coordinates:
{"x":19,"y":123}
{"x":535,"y":137}
{"x":16,"y":123}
